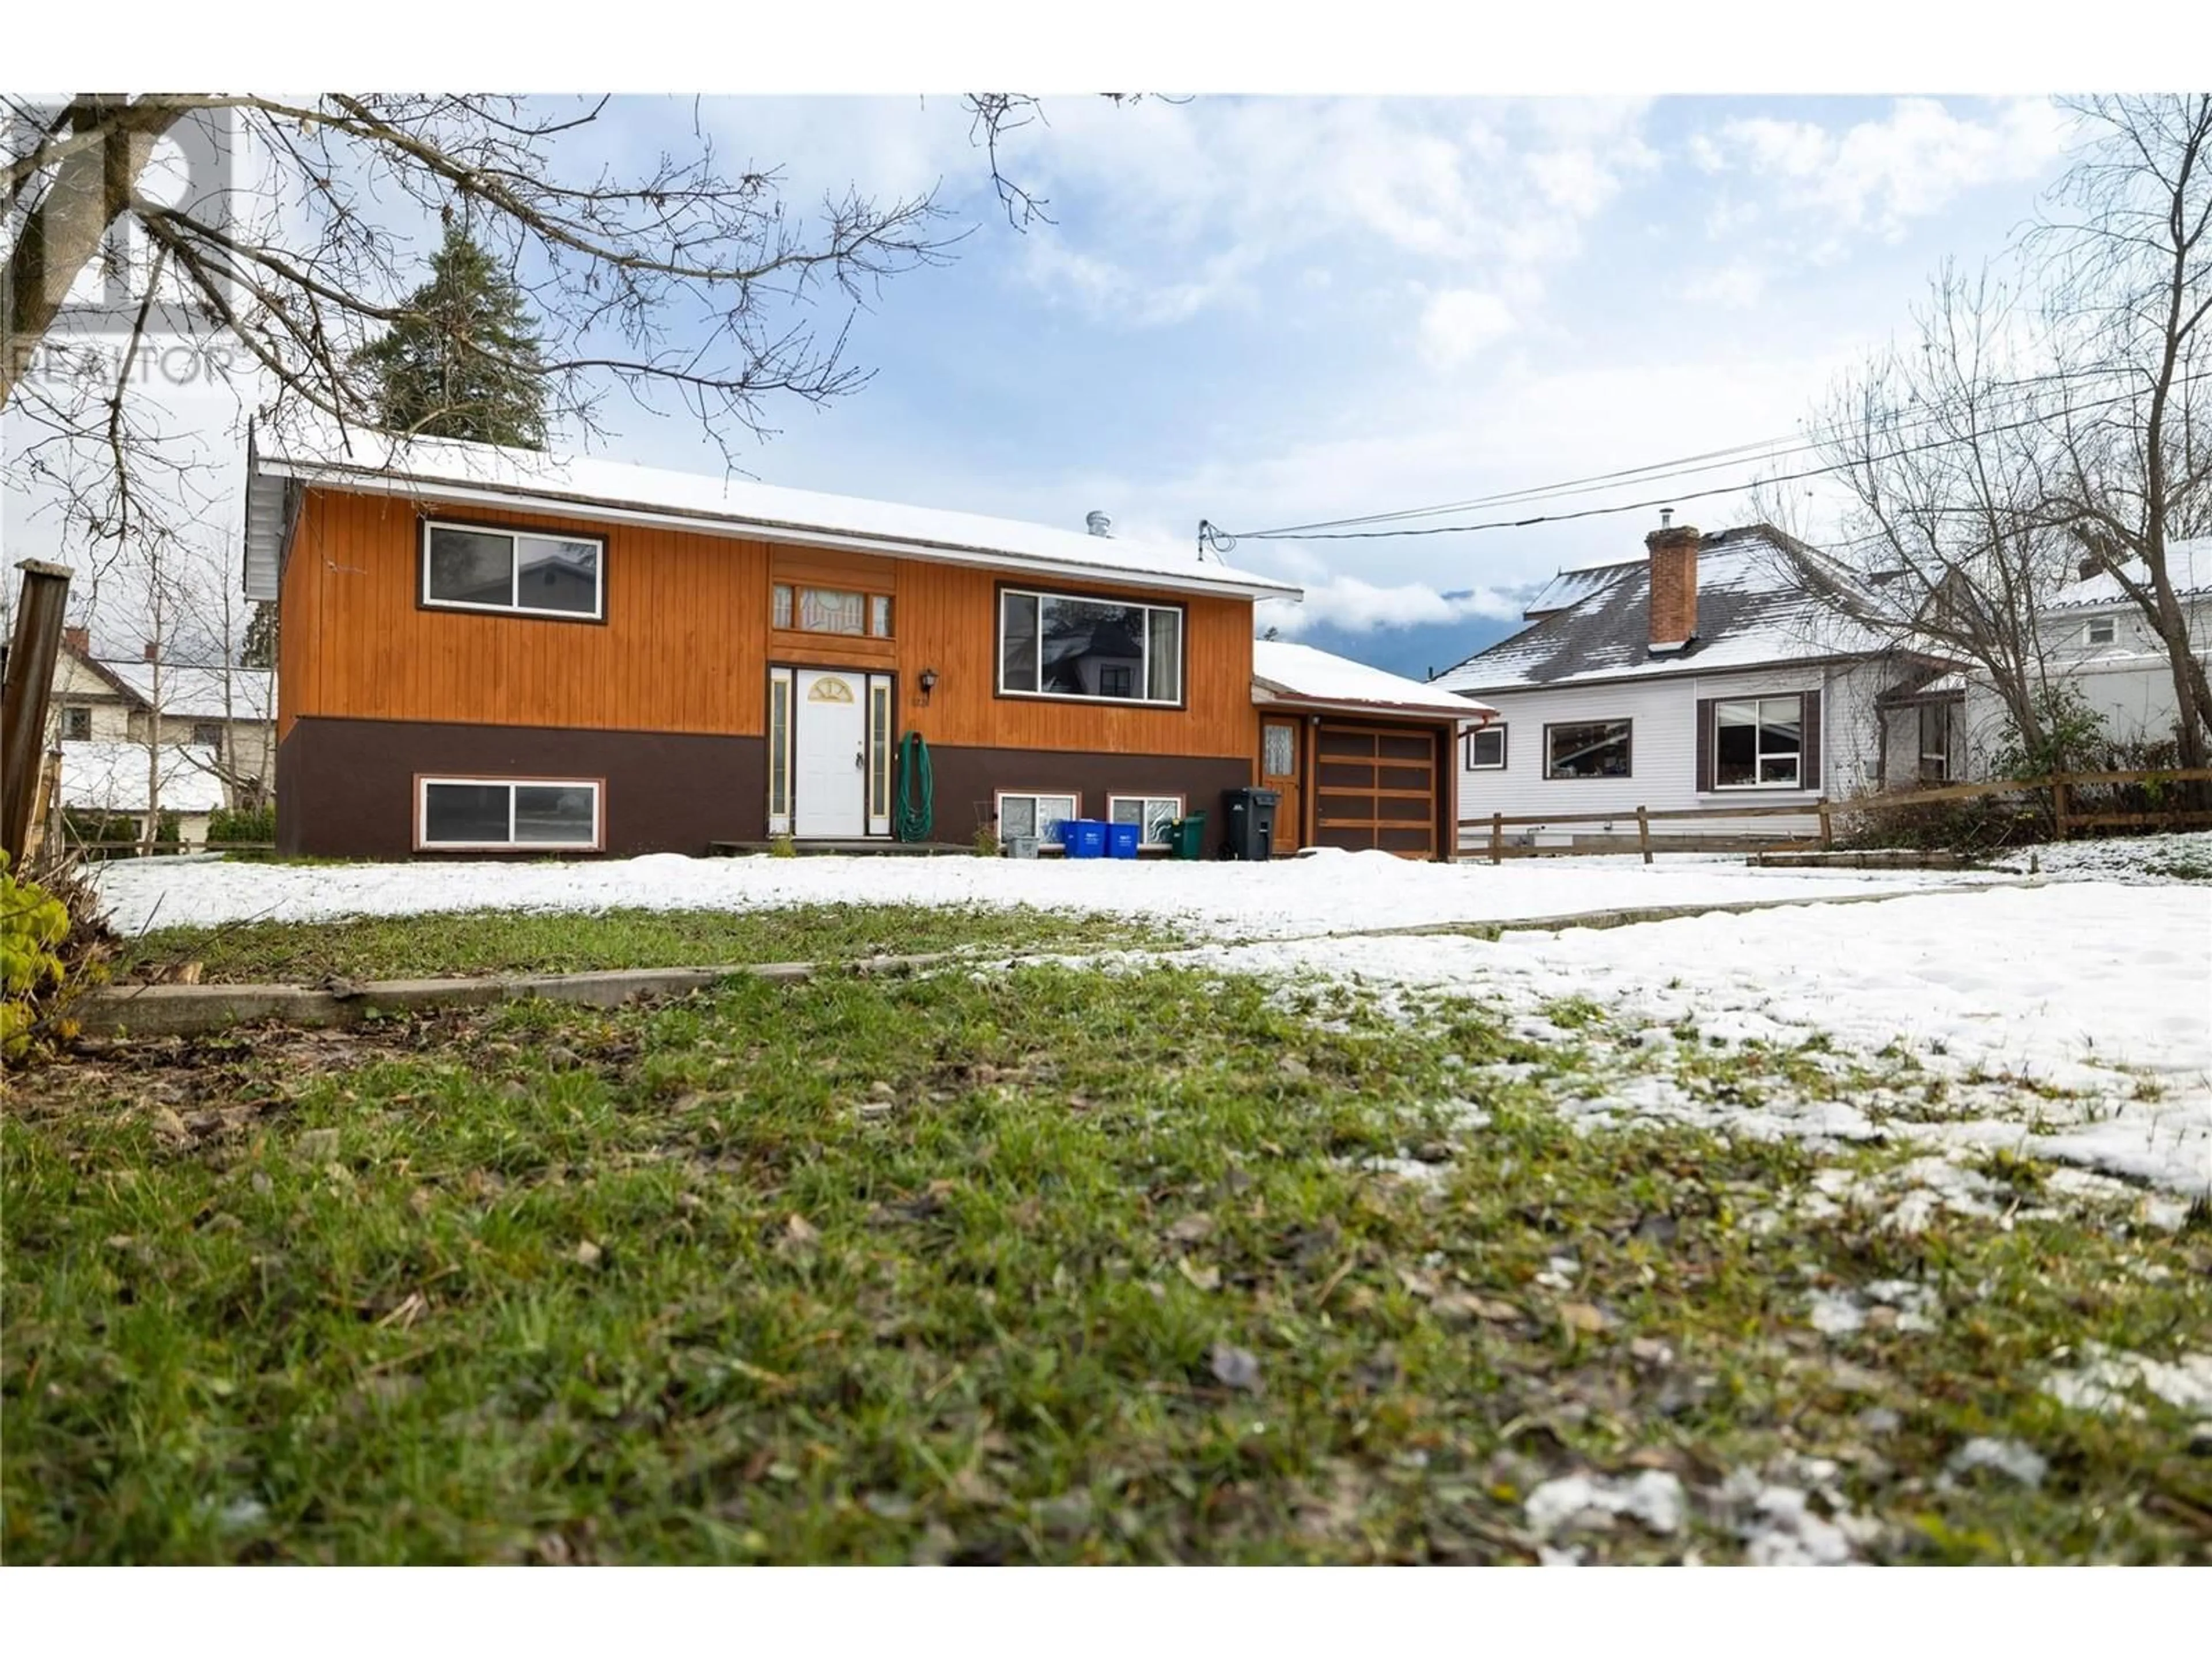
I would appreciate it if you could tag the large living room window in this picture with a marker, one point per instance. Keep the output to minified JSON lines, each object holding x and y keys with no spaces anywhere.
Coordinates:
{"x":473,"y":568}
{"x":539,"y":814}
{"x":1588,"y":749}
{"x":1758,"y":742}
{"x":1054,"y":645}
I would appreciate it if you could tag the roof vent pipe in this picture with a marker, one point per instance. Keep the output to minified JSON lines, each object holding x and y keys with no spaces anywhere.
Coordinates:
{"x":1098,"y":524}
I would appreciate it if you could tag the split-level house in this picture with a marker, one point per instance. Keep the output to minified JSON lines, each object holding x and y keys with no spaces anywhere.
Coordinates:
{"x":498,"y":650}
{"x":1701,"y":676}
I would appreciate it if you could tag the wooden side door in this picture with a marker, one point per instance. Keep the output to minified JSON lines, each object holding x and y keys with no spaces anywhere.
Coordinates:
{"x":1278,"y":770}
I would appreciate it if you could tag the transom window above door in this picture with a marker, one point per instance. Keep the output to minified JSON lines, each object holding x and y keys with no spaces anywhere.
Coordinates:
{"x":843,"y":610}
{"x":531,"y":572}
{"x":1758,"y":742}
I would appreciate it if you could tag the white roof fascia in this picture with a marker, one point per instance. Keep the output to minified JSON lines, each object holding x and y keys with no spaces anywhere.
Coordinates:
{"x":734,"y":528}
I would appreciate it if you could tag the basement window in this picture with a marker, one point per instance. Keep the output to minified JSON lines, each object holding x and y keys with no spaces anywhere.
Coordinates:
{"x":537,"y":814}
{"x":1033,"y":814}
{"x":1154,"y":814}
{"x":1588,"y":749}
{"x":476,"y":568}
{"x":1486,"y":749}
{"x":1758,"y":742}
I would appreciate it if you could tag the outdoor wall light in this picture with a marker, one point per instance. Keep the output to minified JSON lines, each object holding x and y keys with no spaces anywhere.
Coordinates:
{"x":929,"y":683}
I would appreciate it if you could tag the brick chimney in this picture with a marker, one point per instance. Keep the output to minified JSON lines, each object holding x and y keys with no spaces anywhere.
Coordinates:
{"x":153,"y":651}
{"x":78,"y":639}
{"x":1674,"y":549}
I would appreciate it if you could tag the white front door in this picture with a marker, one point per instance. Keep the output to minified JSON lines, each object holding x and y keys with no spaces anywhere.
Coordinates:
{"x":830,"y":766}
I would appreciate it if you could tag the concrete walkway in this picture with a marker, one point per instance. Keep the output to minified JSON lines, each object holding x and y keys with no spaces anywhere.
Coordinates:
{"x":148,"y":1010}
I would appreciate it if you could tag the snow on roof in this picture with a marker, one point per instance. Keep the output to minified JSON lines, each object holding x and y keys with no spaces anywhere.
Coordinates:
{"x":111,"y":777}
{"x":2189,"y":564}
{"x":196,"y":693}
{"x":444,"y":469}
{"x":1572,"y":586}
{"x":1302,"y":672}
{"x":1753,"y":609}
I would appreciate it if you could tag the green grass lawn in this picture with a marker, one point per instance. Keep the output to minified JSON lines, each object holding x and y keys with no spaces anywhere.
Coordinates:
{"x":506,"y":941}
{"x":1031,"y":1266}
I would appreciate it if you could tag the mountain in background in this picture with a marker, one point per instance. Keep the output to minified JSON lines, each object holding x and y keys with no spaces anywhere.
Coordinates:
{"x":1413,"y":651}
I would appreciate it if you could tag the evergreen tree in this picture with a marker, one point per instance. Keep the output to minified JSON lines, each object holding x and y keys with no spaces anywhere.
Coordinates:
{"x":258,"y":649}
{"x":462,"y":362}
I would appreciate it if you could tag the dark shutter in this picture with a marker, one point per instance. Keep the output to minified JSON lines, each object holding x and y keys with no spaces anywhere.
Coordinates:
{"x":1705,"y":743}
{"x":1809,"y":767}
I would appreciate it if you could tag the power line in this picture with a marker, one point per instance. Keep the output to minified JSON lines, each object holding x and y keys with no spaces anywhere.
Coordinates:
{"x":1221,"y":540}
{"x":1656,"y":471}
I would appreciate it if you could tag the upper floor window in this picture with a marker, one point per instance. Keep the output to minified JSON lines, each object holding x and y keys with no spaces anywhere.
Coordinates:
{"x":1053,"y":645}
{"x":2102,"y":630}
{"x":1758,"y":742}
{"x":470,"y":568}
{"x":830,"y":610}
{"x":207,"y":734}
{"x":76,"y":723}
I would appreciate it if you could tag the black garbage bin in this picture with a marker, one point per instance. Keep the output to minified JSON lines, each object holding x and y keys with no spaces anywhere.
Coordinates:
{"x":1252,"y":822}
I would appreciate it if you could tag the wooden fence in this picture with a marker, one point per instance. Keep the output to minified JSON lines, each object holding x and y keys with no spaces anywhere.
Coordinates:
{"x":2060,"y":788}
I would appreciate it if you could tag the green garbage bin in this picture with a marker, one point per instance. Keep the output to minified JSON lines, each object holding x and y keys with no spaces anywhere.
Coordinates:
{"x":1187,"y":836}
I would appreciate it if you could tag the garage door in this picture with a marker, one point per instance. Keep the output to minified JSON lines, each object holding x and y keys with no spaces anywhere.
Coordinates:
{"x":1376,"y":786}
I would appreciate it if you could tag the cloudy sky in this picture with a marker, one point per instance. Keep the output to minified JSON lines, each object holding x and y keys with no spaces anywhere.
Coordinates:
{"x":1269,"y":312}
{"x":1273,"y":311}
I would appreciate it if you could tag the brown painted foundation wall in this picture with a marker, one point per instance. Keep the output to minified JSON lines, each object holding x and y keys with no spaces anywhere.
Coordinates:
{"x":968,"y":779}
{"x":346,"y":788}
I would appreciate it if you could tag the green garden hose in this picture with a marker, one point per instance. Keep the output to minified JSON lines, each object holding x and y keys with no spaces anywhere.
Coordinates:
{"x":917,"y":791}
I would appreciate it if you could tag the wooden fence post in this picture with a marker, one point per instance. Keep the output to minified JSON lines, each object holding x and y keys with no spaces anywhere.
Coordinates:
{"x":1497,"y":837}
{"x":1827,"y":827}
{"x":2058,"y":808}
{"x":1644,"y":831}
{"x":23,"y":703}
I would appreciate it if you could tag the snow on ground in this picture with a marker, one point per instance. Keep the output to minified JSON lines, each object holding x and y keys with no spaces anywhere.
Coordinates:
{"x":1322,"y":893}
{"x":2072,"y":1022}
{"x":2122,"y":857}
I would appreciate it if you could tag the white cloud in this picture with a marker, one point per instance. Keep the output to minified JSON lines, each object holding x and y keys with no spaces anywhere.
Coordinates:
{"x":1459,"y":322}
{"x":1362,"y":607}
{"x":1737,"y":284}
{"x":1877,"y":175}
{"x":1486,"y":195}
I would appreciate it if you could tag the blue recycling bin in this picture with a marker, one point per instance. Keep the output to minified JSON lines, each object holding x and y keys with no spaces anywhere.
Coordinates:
{"x":1121,"y":840}
{"x":1085,"y":838}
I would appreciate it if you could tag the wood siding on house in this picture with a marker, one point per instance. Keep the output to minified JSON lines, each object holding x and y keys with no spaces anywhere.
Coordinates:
{"x":686,"y":642}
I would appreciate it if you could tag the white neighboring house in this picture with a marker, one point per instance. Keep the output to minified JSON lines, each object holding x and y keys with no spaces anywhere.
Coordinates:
{"x":2093,"y":637}
{"x":112,"y":778}
{"x":220,"y":717}
{"x":1701,"y":675}
{"x":2096,"y":635}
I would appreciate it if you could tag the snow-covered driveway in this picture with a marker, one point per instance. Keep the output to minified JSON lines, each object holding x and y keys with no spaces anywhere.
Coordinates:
{"x":1322,"y":893}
